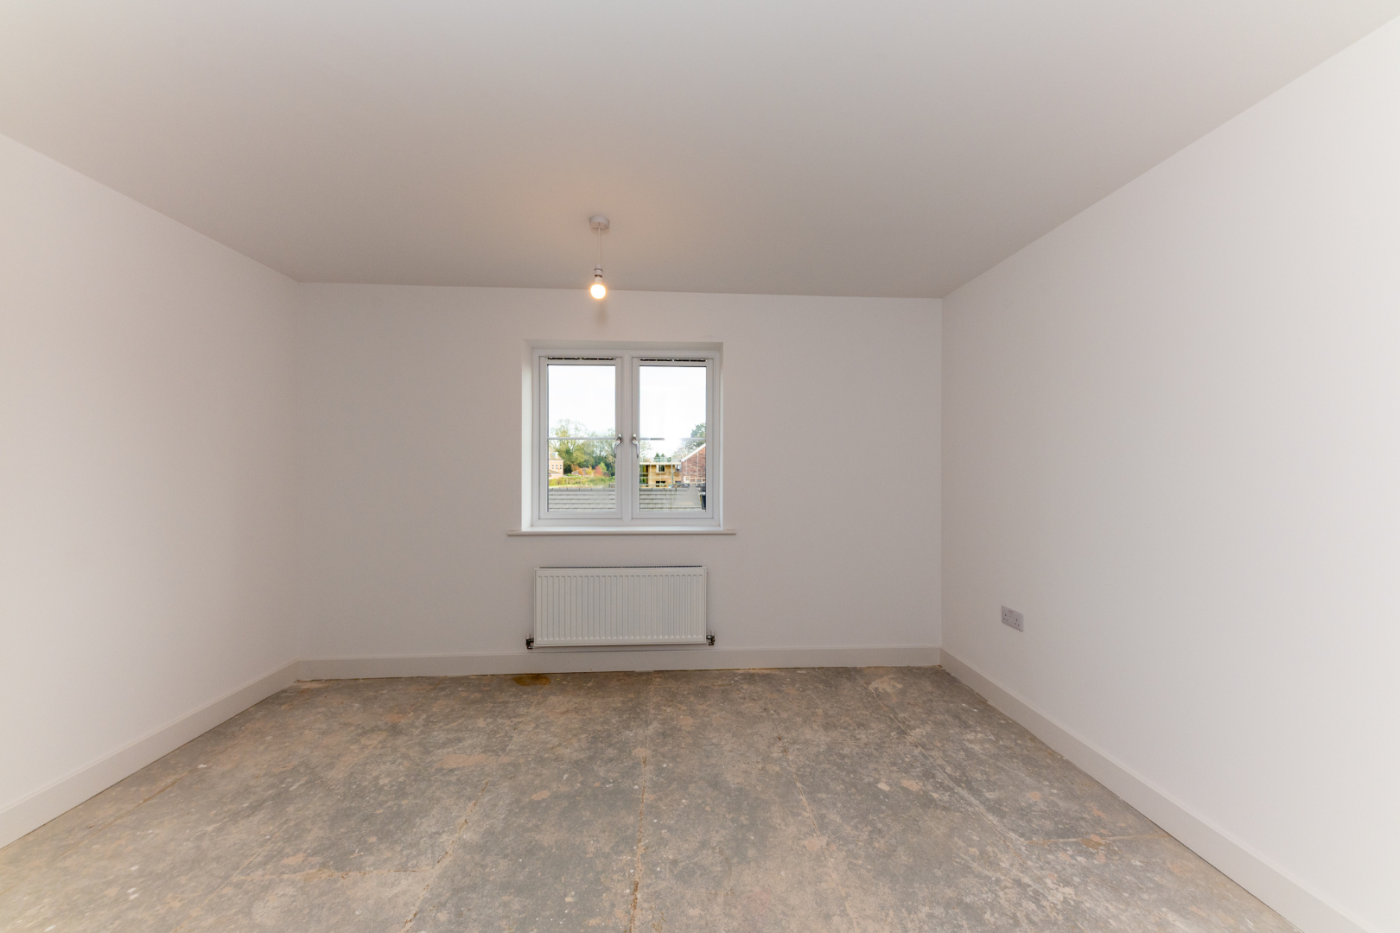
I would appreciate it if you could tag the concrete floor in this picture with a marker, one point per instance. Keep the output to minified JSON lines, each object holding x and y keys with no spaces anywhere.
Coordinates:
{"x":873,"y":800}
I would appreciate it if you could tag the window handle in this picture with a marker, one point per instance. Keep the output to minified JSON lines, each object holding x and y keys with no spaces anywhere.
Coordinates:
{"x":615,"y":443}
{"x":637,"y":445}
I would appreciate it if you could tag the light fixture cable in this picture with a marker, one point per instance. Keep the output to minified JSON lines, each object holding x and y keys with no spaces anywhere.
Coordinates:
{"x":598,"y":289}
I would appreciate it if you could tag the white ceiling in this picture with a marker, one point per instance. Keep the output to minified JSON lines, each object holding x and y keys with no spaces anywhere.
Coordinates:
{"x":874,"y":148}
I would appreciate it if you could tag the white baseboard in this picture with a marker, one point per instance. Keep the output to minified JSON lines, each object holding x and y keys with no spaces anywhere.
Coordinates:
{"x":29,"y":813}
{"x":564,"y":660}
{"x":1303,"y":907}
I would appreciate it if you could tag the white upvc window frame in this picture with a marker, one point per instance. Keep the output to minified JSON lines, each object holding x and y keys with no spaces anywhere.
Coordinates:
{"x":628,"y":515}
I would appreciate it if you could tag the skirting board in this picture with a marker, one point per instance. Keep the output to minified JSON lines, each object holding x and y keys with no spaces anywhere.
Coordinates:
{"x":1306,"y":909}
{"x":29,"y":813}
{"x":563,"y":660}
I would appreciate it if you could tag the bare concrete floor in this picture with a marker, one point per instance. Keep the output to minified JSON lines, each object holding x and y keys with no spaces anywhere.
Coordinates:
{"x":871,"y":800}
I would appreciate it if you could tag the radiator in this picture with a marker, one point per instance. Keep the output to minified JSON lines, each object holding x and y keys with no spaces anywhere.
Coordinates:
{"x":586,"y":606}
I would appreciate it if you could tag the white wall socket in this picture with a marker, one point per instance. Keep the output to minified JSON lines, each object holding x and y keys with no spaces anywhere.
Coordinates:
{"x":1013,"y":618}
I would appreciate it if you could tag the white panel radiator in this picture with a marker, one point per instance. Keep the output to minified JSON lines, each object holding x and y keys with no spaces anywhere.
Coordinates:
{"x":584,"y":606}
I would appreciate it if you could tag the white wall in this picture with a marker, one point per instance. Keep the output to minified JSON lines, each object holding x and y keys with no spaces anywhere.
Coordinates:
{"x":1172,"y":434}
{"x":146,"y":425}
{"x":410,"y":421}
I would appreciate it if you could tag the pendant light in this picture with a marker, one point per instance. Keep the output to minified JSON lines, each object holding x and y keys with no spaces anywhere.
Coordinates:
{"x":599,"y":223}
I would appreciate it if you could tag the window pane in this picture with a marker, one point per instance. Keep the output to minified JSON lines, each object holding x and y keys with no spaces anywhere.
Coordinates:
{"x":582,"y":400}
{"x":582,"y":476}
{"x":582,"y":468}
{"x":672,"y":475}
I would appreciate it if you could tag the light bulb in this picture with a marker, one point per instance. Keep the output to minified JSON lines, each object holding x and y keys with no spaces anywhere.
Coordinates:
{"x":598,"y":289}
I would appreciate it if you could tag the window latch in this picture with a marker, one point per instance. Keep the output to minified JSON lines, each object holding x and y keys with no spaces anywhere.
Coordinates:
{"x":615,"y":443}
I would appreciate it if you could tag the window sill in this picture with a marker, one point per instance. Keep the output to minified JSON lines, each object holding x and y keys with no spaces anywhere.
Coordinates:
{"x":598,"y":530}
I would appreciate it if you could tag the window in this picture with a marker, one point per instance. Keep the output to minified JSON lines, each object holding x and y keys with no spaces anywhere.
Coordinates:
{"x":625,"y":439}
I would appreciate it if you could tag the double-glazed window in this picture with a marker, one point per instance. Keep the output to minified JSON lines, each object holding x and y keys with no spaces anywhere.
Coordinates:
{"x":626,"y":438}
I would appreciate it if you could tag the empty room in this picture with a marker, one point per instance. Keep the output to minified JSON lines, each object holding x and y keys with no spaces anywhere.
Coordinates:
{"x":725,"y":467}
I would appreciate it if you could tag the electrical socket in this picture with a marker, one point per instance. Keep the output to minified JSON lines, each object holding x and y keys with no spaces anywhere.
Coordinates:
{"x":1013,"y":618}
